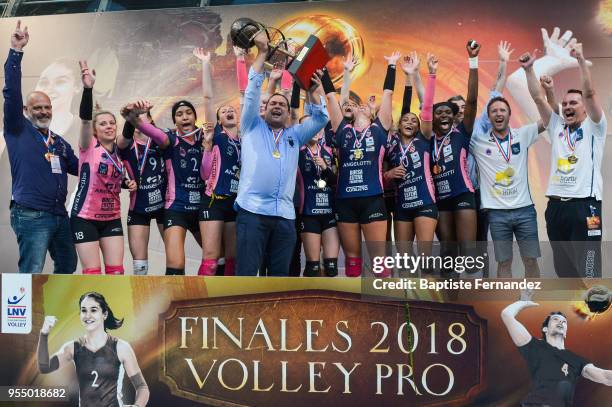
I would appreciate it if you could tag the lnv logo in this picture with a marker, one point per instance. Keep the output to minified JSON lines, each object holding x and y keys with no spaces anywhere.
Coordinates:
{"x":15,"y":308}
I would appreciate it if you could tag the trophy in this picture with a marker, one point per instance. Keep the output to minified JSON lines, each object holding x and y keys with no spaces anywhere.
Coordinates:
{"x":301,"y":64}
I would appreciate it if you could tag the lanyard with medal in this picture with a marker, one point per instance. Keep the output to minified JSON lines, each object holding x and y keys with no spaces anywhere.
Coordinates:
{"x":357,"y":145}
{"x":117,"y":164}
{"x":570,"y":139}
{"x":56,"y":167}
{"x":509,"y":171}
{"x":140,"y":164}
{"x":237,"y":148}
{"x":320,"y":183}
{"x":277,"y":135}
{"x":437,"y":169}
{"x":404,"y":153}
{"x":188,"y":134}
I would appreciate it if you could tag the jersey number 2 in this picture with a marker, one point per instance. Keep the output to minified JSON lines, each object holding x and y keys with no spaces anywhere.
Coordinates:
{"x":95,"y":375}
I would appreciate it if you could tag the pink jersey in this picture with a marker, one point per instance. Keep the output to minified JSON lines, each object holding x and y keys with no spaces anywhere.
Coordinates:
{"x":100,"y":176}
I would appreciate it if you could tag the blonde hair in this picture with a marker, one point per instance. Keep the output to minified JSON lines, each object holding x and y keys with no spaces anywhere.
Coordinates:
{"x":100,"y":113}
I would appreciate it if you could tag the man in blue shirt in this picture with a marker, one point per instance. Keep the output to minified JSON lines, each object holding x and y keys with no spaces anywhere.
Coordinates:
{"x":40,"y":161}
{"x":270,"y":152}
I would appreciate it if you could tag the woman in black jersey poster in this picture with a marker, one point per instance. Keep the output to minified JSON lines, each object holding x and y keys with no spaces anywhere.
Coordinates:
{"x":101,"y":360}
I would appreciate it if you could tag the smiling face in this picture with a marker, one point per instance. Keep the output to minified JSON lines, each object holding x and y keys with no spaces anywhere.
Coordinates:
{"x":58,"y":81}
{"x":408,"y":125}
{"x":573,"y":109}
{"x":443,"y":119}
{"x":105,"y":127}
{"x":38,"y":109}
{"x":277,"y":111}
{"x":92,"y":316}
{"x":349,"y":108}
{"x":227,"y":116}
{"x":185,"y":119}
{"x":499,"y":115}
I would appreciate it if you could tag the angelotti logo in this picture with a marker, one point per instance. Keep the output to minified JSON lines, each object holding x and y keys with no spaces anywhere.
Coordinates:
{"x":309,"y":348}
{"x":16,"y":303}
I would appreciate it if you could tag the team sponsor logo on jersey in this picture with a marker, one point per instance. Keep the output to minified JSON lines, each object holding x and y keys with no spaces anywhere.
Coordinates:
{"x":376,"y":215}
{"x":229,"y":151}
{"x":516,"y":148}
{"x":16,"y":303}
{"x":183,"y":164}
{"x":155,"y":197}
{"x":322,"y":199}
{"x":103,"y":169}
{"x":356,"y":177}
{"x":194,"y":197}
{"x":488,"y":151}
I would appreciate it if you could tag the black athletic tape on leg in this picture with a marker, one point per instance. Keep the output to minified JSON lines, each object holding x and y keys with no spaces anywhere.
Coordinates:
{"x":312,"y":269}
{"x":331,"y":267}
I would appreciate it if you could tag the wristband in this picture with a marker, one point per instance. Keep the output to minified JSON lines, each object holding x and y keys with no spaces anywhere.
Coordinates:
{"x":86,"y":107}
{"x":473,"y":62}
{"x":128,"y":130}
{"x":328,"y":85}
{"x":390,"y":78}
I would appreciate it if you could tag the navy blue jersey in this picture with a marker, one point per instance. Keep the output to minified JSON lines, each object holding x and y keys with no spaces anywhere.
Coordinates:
{"x":449,"y":154}
{"x":145,"y":164}
{"x":183,"y":162}
{"x":314,"y":200}
{"x":360,"y":158}
{"x":100,"y":374}
{"x":225,"y":166}
{"x":416,"y":189}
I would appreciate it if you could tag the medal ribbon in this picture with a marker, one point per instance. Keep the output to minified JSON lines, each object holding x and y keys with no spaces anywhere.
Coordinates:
{"x":48,"y":140}
{"x":188,"y":134}
{"x":570,"y":138}
{"x":117,"y":164}
{"x":358,"y":140}
{"x":141,"y":163}
{"x":404,"y":154}
{"x":312,"y":156}
{"x":277,"y":136}
{"x":506,"y":154}
{"x":438,"y":150}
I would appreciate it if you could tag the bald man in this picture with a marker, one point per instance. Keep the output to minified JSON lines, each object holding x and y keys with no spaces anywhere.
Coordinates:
{"x":40,"y":163}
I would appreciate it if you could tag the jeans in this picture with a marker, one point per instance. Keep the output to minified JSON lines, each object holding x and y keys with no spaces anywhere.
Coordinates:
{"x":520,"y":222}
{"x":259,"y":235}
{"x":39,"y":231}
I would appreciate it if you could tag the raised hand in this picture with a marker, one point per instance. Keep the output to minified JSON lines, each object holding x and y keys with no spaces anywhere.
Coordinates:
{"x":19,"y":38}
{"x":88,"y":77}
{"x":559,"y":47}
{"x":201,"y":55}
{"x":432,"y":63}
{"x":576,"y":51}
{"x":392,"y":59}
{"x":350,"y":62}
{"x":547,"y":82}
{"x":504,"y":51}
{"x":48,"y":323}
{"x":526,"y":296}
{"x":261,"y":41}
{"x":316,"y":86}
{"x":372,"y":103}
{"x":472,"y":52}
{"x":277,"y":73}
{"x":410,"y":63}
{"x":527,"y":59}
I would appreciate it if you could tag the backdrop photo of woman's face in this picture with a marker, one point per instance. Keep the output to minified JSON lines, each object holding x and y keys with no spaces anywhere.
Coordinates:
{"x":59,"y":83}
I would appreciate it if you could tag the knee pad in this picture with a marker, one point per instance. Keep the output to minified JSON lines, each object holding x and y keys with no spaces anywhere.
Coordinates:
{"x":331,"y":267}
{"x":353,"y":266}
{"x":141,"y":267}
{"x":312,"y":269}
{"x":113,"y":270}
{"x":93,"y":270}
{"x":230,"y":266}
{"x":208,"y":267}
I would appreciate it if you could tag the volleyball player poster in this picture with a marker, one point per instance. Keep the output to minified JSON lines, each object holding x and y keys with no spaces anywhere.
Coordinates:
{"x":196,"y":341}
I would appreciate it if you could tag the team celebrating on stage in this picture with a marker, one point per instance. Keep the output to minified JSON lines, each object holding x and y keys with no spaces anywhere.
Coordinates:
{"x":257,"y":181}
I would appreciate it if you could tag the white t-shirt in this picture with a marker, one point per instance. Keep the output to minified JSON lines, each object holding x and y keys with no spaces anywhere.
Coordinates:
{"x":503,"y":184}
{"x":581,"y":179}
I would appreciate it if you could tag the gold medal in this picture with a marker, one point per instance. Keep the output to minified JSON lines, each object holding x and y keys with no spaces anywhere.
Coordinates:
{"x":358,"y":154}
{"x":48,"y":156}
{"x":509,"y":172}
{"x":572,"y":159}
{"x":276,"y":154}
{"x":436,"y":169}
{"x":321,"y":183}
